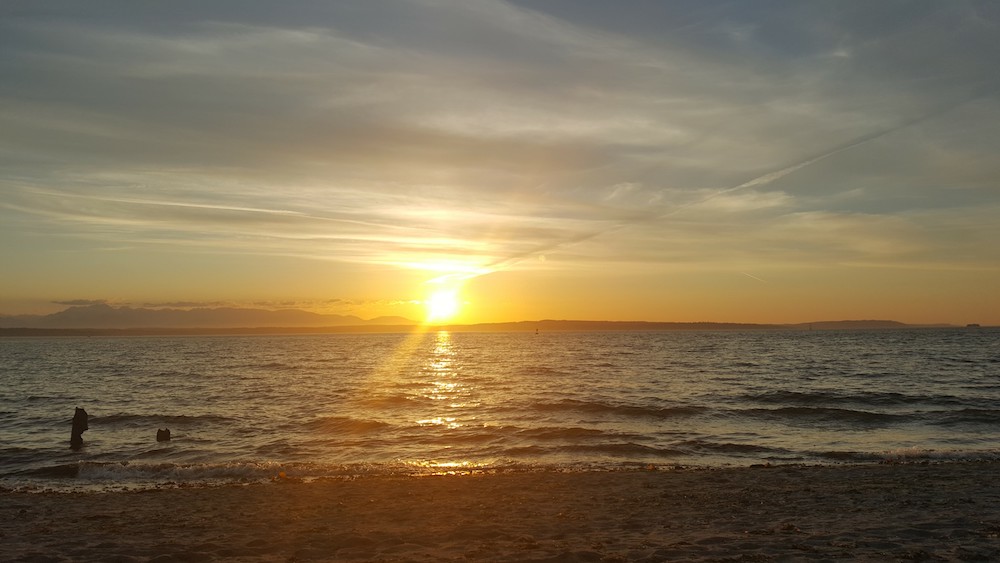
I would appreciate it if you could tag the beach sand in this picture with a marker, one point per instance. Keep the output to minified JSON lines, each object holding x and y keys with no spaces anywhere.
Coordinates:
{"x":877,"y":513}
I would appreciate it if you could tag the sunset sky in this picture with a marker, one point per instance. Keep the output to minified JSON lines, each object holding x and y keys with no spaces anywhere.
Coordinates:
{"x":671,"y":161}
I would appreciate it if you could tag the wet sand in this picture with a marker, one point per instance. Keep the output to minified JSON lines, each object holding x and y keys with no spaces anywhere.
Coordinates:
{"x":875,"y":513}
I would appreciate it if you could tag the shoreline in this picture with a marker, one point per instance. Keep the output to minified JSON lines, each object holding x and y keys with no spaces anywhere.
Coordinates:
{"x":947,"y":511}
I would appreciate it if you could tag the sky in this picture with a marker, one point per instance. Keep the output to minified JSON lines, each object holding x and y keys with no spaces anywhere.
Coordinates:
{"x":702,"y":160}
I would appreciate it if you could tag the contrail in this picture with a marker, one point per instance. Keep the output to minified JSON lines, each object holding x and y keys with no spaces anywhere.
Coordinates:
{"x":758,"y":181}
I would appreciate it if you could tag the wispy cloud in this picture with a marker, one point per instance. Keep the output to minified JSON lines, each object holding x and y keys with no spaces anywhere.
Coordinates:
{"x":81,"y":302}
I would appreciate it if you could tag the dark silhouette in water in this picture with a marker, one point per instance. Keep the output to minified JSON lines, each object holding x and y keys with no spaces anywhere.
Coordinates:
{"x":79,"y":427}
{"x":163,"y":435}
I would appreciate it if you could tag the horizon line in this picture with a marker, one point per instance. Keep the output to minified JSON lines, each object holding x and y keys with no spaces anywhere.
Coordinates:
{"x":550,"y":325}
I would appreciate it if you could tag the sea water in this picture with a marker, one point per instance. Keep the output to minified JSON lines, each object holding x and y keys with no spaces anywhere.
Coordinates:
{"x":253,"y":408}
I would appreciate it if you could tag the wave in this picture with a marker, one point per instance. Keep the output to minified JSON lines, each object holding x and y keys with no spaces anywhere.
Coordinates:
{"x":17,"y":456}
{"x":824,"y":415}
{"x":621,"y":449}
{"x":279,"y":366}
{"x":967,"y":416}
{"x":346,"y":425}
{"x":908,"y":455}
{"x":541,"y":370}
{"x":819,"y":414}
{"x":471,"y":435}
{"x":118,"y":476}
{"x":556,"y":433}
{"x":331,"y":360}
{"x":395,"y":401}
{"x":703,"y":446}
{"x":143,"y":419}
{"x":128,"y":472}
{"x":614,"y":449}
{"x":275,"y":366}
{"x":629,"y":410}
{"x":799,"y":398}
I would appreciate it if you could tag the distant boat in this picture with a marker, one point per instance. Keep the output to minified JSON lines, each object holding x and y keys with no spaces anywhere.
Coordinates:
{"x":972,"y":325}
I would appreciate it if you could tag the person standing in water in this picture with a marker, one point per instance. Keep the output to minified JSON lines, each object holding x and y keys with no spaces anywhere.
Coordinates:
{"x":79,"y":427}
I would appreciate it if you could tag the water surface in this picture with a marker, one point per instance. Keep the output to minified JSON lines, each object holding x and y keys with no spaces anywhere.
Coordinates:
{"x":251,"y":407}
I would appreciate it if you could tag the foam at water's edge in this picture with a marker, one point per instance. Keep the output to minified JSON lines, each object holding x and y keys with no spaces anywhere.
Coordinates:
{"x":126,"y":476}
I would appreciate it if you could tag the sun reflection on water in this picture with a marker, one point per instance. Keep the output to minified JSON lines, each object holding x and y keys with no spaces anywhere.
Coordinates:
{"x":448,"y":421}
{"x":444,"y":387}
{"x":424,"y":392}
{"x":434,"y":467}
{"x":445,"y":384}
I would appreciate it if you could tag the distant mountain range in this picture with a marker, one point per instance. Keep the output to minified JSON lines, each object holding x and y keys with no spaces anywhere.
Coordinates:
{"x":566,"y":325}
{"x":102,"y":318}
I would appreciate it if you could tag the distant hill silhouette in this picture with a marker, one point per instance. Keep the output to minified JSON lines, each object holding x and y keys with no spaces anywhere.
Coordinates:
{"x":571,"y":325}
{"x":106,"y":319}
{"x":102,"y":316}
{"x":826,"y":325}
{"x":581,"y":326}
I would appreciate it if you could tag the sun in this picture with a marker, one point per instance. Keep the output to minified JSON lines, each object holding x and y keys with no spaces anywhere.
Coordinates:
{"x":442,"y":305}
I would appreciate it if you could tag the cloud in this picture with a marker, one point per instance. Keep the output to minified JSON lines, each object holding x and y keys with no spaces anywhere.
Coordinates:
{"x":81,"y":302}
{"x":187,"y":304}
{"x":478,"y":133}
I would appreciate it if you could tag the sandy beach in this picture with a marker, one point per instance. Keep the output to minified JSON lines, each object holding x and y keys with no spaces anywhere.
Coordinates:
{"x":882,"y":512}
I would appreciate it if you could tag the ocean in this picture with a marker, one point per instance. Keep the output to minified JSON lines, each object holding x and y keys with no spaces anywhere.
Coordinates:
{"x":244,"y":409}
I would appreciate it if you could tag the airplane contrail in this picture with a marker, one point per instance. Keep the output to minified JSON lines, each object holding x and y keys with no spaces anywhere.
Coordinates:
{"x":758,"y":181}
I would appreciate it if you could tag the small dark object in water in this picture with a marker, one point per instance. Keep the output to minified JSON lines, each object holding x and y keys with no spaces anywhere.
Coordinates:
{"x":163,"y":435}
{"x":79,"y":427}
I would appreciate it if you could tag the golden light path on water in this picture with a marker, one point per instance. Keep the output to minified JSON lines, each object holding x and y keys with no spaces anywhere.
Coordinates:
{"x":427,"y":365}
{"x":445,"y":387}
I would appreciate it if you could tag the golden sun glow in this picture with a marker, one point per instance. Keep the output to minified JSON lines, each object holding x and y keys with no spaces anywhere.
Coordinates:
{"x":442,"y":305}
